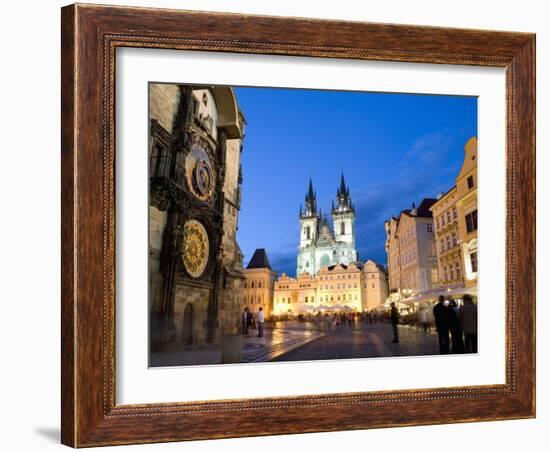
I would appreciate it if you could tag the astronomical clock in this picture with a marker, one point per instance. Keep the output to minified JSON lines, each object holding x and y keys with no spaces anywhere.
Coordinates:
{"x":188,"y":187}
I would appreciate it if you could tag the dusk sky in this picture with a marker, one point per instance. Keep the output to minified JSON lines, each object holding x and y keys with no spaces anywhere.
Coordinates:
{"x":394,"y":149}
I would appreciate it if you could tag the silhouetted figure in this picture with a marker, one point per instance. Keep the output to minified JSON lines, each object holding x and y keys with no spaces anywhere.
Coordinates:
{"x":246,"y":320}
{"x":394,"y":322}
{"x":441,"y":317}
{"x":468,"y":321}
{"x":455,"y":328}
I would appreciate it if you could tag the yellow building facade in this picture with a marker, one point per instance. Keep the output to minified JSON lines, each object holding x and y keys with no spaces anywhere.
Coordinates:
{"x":356,"y":287}
{"x":466,"y":204}
{"x":449,"y":254}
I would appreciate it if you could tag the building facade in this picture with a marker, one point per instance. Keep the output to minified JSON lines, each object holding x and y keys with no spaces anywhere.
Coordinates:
{"x":259,"y":284}
{"x":195,"y":264}
{"x":356,"y":287}
{"x":320,"y":246}
{"x":449,"y":254}
{"x":410,"y":248}
{"x":466,"y":204}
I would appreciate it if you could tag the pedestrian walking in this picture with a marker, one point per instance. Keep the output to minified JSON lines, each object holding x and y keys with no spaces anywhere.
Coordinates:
{"x":394,"y":314}
{"x":455,"y":328}
{"x":441,"y":316}
{"x":261,"y":320}
{"x":468,"y":321}
{"x":423,"y":319}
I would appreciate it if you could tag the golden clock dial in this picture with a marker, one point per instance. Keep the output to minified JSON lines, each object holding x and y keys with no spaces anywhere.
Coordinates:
{"x":196,"y":248}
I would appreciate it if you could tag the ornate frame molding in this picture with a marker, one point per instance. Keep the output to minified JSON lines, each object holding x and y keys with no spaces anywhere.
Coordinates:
{"x":90,"y":37}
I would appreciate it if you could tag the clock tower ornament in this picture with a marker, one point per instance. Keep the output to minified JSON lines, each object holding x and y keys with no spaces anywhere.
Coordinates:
{"x":196,"y":248}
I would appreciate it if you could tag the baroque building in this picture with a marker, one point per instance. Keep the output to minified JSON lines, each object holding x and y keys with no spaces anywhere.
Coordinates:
{"x":466,"y":187}
{"x":320,"y":246}
{"x":195,"y":264}
{"x":258,"y":284}
{"x":455,"y":221}
{"x":410,"y":247}
{"x":355,"y":287}
{"x":449,"y":256}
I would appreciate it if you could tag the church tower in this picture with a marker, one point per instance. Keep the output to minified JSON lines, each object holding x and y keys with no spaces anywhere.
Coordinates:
{"x":309,"y":219}
{"x":309,"y":232}
{"x":343,"y":215}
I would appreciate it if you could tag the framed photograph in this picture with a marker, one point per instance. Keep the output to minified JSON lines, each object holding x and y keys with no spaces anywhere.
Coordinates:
{"x":282,"y":225}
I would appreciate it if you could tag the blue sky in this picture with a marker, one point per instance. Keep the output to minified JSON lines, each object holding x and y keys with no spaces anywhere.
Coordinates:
{"x":394,"y":149}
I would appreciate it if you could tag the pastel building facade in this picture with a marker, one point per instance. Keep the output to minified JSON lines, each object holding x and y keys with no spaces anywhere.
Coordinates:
{"x":354,"y":287}
{"x":410,"y":247}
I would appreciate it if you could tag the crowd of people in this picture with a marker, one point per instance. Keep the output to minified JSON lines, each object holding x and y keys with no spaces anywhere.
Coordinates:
{"x":456,"y":326}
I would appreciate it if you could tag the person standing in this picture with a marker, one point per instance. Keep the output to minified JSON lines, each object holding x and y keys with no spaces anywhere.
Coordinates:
{"x":245,"y":321}
{"x":261,"y":320}
{"x":441,"y":316}
{"x":468,"y":320}
{"x":423,"y":318}
{"x":455,"y":328}
{"x":394,"y":322}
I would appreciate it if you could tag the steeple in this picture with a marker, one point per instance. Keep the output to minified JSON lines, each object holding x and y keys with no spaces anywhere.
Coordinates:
{"x":310,"y":202}
{"x":342,"y":190}
{"x":343,"y":198}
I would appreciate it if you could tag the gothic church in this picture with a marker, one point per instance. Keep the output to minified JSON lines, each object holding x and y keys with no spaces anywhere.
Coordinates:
{"x":319,"y":245}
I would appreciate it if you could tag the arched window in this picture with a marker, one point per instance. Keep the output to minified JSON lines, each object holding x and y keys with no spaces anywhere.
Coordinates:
{"x":308,"y":232}
{"x":342,"y":228}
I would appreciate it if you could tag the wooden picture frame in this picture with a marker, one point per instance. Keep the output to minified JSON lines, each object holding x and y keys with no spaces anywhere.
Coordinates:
{"x":90,"y":36}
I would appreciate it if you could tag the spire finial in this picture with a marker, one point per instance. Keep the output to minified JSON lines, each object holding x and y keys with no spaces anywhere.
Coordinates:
{"x":310,"y":189}
{"x":342,"y":190}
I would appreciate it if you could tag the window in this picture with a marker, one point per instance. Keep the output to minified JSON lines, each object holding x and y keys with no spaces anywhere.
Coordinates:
{"x":342,"y":228}
{"x":373,"y":285}
{"x":308,"y":232}
{"x":471,"y":221}
{"x":470,"y":182}
{"x":448,"y":216}
{"x":429,"y":227}
{"x":455,"y":240}
{"x":455,"y":215}
{"x":473,"y":261}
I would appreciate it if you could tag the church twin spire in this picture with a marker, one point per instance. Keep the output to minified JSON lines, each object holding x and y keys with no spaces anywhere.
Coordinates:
{"x":343,"y":201}
{"x":310,"y":202}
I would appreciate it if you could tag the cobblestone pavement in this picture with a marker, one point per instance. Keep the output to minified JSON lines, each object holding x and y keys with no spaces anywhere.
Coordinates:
{"x":365,"y":341}
{"x":277,"y":340}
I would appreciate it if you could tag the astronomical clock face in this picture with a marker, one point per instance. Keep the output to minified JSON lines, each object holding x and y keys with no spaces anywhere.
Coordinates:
{"x":195,"y":248}
{"x":199,"y":173}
